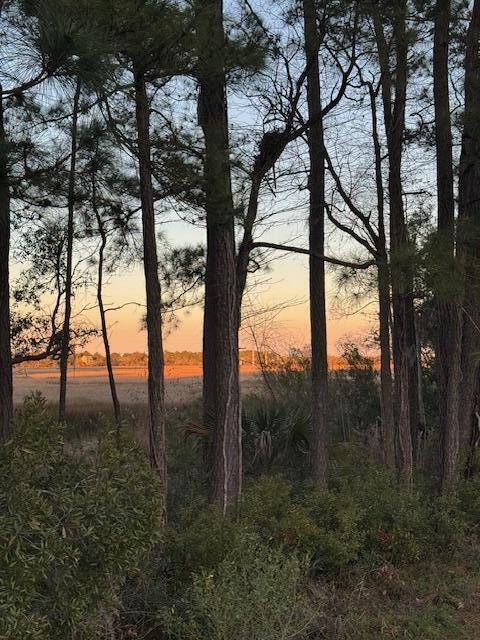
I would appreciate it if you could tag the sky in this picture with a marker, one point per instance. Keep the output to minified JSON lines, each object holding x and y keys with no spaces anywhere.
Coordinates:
{"x":287,"y":285}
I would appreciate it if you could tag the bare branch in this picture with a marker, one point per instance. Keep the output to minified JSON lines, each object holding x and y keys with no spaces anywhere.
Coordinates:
{"x":290,"y":249}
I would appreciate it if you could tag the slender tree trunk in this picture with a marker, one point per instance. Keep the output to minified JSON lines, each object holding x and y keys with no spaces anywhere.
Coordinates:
{"x":384,"y":301}
{"x":243,"y":257}
{"x":404,"y":339}
{"x":65,"y":348}
{"x":469,"y":232}
{"x":221,"y":392}
{"x":316,"y":225}
{"x":449,"y":326}
{"x":103,"y":319}
{"x":156,"y":382}
{"x":386,"y":382}
{"x":415,"y":392}
{"x":6,"y":389}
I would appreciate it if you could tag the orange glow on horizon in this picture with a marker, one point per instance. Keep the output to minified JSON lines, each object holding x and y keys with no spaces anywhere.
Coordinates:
{"x":289,"y":328}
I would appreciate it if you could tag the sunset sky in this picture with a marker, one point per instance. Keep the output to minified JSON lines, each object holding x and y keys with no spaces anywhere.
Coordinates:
{"x":288,"y":284}
{"x":284,"y":285}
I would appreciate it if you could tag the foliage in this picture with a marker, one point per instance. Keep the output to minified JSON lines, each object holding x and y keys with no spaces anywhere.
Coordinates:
{"x":72,"y":529}
{"x":354,"y":400}
{"x":354,"y":393}
{"x":469,"y":503}
{"x":439,"y":270}
{"x":318,"y":523}
{"x":255,"y":593}
{"x":213,"y":578}
{"x":273,"y":431}
{"x":401,"y":525}
{"x":201,"y":544}
{"x":435,"y":622}
{"x":289,"y":377}
{"x":365,"y":518}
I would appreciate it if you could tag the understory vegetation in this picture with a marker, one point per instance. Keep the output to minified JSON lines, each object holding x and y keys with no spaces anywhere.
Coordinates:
{"x":364,"y":558}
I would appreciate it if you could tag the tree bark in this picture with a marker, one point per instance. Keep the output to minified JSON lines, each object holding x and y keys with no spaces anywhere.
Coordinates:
{"x":245,"y":248}
{"x":101,"y":309}
{"x":65,"y":349}
{"x":221,"y":393}
{"x":469,"y":232}
{"x":386,"y":382}
{"x":6,"y":387}
{"x":156,"y":382}
{"x":384,"y":301}
{"x":404,"y":338}
{"x":449,"y":326}
{"x":316,"y":226}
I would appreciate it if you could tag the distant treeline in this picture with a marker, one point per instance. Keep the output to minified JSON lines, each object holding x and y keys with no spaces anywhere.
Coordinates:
{"x":264,"y":359}
{"x":139,"y":359}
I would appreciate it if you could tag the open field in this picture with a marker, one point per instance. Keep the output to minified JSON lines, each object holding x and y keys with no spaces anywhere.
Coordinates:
{"x":89,"y":385}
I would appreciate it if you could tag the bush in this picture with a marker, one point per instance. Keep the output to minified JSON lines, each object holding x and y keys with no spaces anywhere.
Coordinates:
{"x":319,"y":523}
{"x":274,"y":432}
{"x":255,"y":593}
{"x":340,"y":539}
{"x":365,"y":517}
{"x":289,"y":377}
{"x":354,"y":394}
{"x":72,"y":528}
{"x":201,"y":543}
{"x":400,"y":524}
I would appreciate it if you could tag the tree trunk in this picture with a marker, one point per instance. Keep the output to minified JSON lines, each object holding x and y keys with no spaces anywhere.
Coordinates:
{"x":103,"y":319}
{"x":469,"y":232}
{"x":156,"y":383}
{"x":65,"y":348}
{"x":386,"y":382}
{"x":6,"y":390}
{"x":384,"y":301}
{"x":316,"y":225}
{"x":245,"y":248}
{"x":449,"y":326}
{"x":221,"y":393}
{"x":404,"y":339}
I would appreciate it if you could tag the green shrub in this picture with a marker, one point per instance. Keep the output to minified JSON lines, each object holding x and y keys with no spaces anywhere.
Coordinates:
{"x":340,"y":537}
{"x":255,"y":593}
{"x":401,"y":525}
{"x":321,"y":524}
{"x":354,"y":399}
{"x":72,"y":528}
{"x":366,"y":516}
{"x":200,"y":544}
{"x":289,"y":377}
{"x":274,"y":432}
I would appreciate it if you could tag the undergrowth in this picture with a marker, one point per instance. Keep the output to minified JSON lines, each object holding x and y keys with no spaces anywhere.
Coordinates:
{"x":86,"y":555}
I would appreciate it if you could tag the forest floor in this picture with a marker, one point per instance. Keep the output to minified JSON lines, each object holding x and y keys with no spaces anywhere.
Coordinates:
{"x":88,"y":387}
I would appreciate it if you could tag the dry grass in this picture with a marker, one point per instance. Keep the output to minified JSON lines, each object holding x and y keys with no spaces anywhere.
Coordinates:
{"x":88,"y":388}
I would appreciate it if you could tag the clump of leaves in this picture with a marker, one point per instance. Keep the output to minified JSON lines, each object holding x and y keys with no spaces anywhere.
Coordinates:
{"x":274,"y":432}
